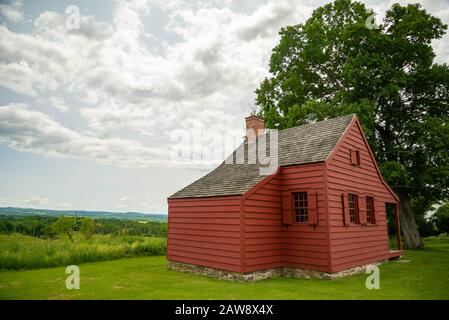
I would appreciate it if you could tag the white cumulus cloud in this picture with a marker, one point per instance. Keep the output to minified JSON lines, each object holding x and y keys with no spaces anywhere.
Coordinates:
{"x":155,"y":67}
{"x":28,"y":130}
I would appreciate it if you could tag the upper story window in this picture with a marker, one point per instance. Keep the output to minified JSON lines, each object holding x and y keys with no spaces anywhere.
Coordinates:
{"x":300,"y":207}
{"x":355,"y":157}
{"x":353,"y":206}
{"x":370,"y":210}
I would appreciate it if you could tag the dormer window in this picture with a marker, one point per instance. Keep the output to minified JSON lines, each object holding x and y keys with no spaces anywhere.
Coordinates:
{"x":355,"y":157}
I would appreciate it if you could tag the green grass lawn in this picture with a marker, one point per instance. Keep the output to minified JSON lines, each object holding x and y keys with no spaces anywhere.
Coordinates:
{"x":424,"y":276}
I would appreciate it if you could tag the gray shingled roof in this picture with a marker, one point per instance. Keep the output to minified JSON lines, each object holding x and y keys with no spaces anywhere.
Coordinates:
{"x":298,"y":145}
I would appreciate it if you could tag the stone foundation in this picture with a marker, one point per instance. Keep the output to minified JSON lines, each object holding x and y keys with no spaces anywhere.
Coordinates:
{"x":265,"y":274}
{"x":223,"y":274}
{"x":311,"y":274}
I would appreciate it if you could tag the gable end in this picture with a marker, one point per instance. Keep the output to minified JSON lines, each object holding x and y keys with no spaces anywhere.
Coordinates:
{"x":356,"y":123}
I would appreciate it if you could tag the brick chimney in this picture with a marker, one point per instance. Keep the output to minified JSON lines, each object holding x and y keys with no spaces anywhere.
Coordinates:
{"x":255,"y":126}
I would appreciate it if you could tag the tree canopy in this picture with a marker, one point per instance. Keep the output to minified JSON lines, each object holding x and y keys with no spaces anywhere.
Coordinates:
{"x":338,"y":63}
{"x":65,"y":226}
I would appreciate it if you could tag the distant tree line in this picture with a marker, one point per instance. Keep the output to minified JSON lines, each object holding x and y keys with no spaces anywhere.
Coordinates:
{"x":51,"y":227}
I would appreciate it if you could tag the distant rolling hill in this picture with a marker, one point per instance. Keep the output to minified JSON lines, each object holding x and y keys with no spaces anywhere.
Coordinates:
{"x":10,"y":211}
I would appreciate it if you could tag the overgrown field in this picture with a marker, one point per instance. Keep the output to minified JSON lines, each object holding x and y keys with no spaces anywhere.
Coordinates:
{"x":421,"y":274}
{"x":24,"y":252}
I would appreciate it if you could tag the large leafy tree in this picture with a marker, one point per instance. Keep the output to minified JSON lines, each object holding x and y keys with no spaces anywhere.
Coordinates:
{"x":338,"y":62}
{"x":64,"y":226}
{"x":88,"y":227}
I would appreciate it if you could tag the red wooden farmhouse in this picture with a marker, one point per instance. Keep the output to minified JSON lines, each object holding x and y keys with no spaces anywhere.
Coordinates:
{"x":322,"y":212}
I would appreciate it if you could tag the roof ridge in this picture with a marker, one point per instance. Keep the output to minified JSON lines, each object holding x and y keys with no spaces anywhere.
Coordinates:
{"x":295,"y":147}
{"x":318,"y":122}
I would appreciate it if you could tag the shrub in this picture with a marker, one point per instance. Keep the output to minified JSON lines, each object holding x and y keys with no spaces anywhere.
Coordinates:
{"x":442,"y":218}
{"x":64,"y":226}
{"x":426,"y":227}
{"x":88,"y":227}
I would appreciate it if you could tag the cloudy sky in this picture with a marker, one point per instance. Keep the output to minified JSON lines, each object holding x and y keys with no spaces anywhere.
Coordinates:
{"x":90,"y":117}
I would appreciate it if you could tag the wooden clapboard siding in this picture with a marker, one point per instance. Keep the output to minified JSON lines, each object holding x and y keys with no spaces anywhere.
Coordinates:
{"x":305,"y":245}
{"x":252,"y":231}
{"x":263,"y":226}
{"x":268,"y":243}
{"x":246,"y":233}
{"x":355,"y":245}
{"x":206,"y":232}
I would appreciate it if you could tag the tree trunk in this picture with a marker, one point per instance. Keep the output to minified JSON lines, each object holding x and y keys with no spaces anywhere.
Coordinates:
{"x":411,"y":237}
